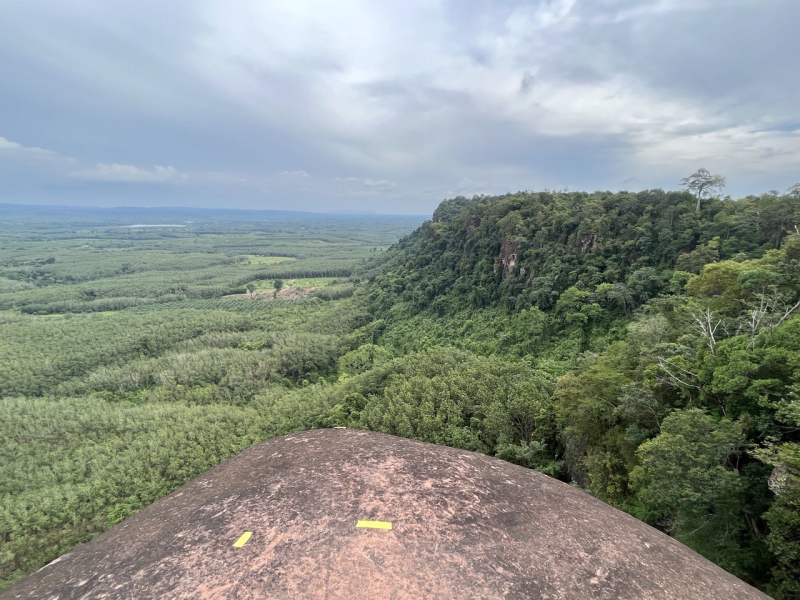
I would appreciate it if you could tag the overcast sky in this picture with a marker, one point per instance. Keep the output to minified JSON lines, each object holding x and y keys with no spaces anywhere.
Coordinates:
{"x":390,"y":106}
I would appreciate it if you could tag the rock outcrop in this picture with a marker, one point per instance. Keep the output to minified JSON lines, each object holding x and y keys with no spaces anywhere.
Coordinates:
{"x":463,"y":525}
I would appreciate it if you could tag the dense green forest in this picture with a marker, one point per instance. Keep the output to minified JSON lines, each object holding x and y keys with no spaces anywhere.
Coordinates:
{"x":626,"y":343}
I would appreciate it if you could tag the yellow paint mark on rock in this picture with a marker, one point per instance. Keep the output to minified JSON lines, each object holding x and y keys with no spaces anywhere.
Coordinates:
{"x":374,"y":524}
{"x":243,"y":539}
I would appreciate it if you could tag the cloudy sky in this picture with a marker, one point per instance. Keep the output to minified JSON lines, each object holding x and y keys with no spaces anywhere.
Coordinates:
{"x":390,"y":106}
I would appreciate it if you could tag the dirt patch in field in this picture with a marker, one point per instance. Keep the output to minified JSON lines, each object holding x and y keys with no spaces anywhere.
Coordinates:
{"x":290,"y":293}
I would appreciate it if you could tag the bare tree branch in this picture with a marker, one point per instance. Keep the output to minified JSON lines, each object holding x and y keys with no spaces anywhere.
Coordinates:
{"x":705,"y":320}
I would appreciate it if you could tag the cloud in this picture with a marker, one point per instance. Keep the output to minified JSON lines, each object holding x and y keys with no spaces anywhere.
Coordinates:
{"x":9,"y":149}
{"x":116,"y":172}
{"x":363,"y":186}
{"x":388,"y":105}
{"x":418,"y":99}
{"x":8,"y":144}
{"x":769,"y":151}
{"x":382,"y":183}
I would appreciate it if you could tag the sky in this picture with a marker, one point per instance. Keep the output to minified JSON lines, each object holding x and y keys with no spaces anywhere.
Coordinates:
{"x":390,"y":106}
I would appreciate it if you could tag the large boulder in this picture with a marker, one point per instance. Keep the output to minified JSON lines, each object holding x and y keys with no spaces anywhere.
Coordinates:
{"x":463,"y":525}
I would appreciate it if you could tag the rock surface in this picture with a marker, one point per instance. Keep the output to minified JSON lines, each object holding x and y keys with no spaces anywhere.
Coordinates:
{"x":464,"y":525}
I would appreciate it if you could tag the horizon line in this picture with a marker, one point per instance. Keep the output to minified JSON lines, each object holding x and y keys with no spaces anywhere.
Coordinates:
{"x":340,"y":213}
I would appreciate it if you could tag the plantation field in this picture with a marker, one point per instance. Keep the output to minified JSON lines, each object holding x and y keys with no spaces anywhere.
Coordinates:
{"x":79,"y":267}
{"x":125,"y":371}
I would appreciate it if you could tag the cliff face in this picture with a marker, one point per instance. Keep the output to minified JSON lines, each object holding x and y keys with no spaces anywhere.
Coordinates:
{"x":507,"y":259}
{"x":463,"y":525}
{"x":572,"y":239}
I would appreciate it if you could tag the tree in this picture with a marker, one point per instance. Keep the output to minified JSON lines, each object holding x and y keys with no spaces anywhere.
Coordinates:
{"x":783,"y":517}
{"x":278,"y":287}
{"x":251,"y":287}
{"x":718,"y":287}
{"x":363,"y":358}
{"x":703,"y":184}
{"x":694,"y":261}
{"x":686,"y":475}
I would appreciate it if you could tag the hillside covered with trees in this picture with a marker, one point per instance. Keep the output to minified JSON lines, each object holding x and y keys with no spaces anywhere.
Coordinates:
{"x":649,"y":352}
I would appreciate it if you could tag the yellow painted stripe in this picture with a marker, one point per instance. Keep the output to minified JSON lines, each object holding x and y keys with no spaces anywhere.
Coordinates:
{"x":242,"y":540}
{"x":374,"y":524}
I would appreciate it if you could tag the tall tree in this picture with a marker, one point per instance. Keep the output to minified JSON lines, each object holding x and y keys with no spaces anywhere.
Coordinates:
{"x":703,"y":184}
